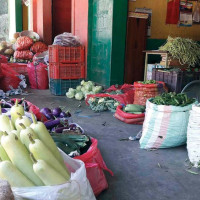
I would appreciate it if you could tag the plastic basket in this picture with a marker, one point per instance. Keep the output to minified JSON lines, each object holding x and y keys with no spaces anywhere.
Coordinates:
{"x":60,"y":87}
{"x":175,"y":80}
{"x":66,"y":71}
{"x":20,"y":68}
{"x":59,"y":54}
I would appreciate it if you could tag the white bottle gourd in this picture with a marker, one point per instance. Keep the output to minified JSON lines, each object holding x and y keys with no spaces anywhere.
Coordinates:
{"x":24,"y":135}
{"x":19,"y":156}
{"x":13,"y":130}
{"x":46,"y":173}
{"x":4,"y":122}
{"x":11,"y":174}
{"x":15,"y":111}
{"x":43,"y":134}
{"x":41,"y":152}
{"x":22,"y":120}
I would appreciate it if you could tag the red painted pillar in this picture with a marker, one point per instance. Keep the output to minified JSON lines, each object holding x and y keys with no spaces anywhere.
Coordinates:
{"x":80,"y":22}
{"x":42,"y":19}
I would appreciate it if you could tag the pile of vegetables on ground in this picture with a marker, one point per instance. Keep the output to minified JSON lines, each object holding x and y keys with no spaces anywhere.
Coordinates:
{"x":85,"y":88}
{"x":99,"y":104}
{"x":29,"y":156}
{"x":185,"y":50}
{"x":134,"y":109}
{"x":173,"y":99}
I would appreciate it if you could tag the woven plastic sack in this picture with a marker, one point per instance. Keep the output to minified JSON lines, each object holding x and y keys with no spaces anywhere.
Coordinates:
{"x":128,"y":118}
{"x":147,"y":91}
{"x":38,"y":76}
{"x":67,"y":40}
{"x":193,"y":136}
{"x":40,"y":57}
{"x":23,"y":43}
{"x":10,"y":78}
{"x":39,"y":47}
{"x":3,"y":59}
{"x":78,"y":188}
{"x":126,"y":98}
{"x":24,"y":55}
{"x":95,"y":165}
{"x":164,"y":126}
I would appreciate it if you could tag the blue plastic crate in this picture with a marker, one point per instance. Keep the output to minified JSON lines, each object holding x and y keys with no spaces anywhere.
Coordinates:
{"x":60,"y":87}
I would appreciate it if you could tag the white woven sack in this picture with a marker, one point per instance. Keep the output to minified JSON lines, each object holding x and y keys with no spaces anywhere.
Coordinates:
{"x":193,"y":136}
{"x":78,"y":188}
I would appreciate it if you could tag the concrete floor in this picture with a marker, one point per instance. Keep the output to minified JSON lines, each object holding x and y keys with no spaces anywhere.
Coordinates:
{"x":138,"y":174}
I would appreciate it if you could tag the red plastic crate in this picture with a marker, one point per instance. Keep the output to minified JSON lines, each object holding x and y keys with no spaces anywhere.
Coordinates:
{"x":59,"y":54}
{"x":20,"y":68}
{"x":66,"y":71}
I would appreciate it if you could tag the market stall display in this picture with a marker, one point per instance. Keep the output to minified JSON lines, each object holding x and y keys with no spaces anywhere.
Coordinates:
{"x":166,"y":121}
{"x":45,"y":160}
{"x":193,"y":136}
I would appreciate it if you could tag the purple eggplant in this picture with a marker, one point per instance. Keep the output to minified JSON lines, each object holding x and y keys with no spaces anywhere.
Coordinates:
{"x":3,"y":110}
{"x":63,"y":115}
{"x":45,"y":111}
{"x":60,"y":129}
{"x":52,"y":123}
{"x":56,"y":112}
{"x":49,"y":116}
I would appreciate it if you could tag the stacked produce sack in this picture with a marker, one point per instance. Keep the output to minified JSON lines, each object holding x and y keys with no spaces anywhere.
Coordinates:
{"x":193,"y":136}
{"x":30,"y":158}
{"x":147,"y":89}
{"x":26,"y":48}
{"x":166,"y":121}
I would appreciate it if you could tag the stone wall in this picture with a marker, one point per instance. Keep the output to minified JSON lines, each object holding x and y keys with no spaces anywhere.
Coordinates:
{"x":4,"y":20}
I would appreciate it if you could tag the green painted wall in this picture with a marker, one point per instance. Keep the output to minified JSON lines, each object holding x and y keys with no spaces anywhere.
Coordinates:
{"x":19,"y":14}
{"x":106,"y":41}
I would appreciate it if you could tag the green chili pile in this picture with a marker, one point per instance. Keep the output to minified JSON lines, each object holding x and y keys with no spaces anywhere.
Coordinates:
{"x":185,"y":50}
{"x":172,"y":99}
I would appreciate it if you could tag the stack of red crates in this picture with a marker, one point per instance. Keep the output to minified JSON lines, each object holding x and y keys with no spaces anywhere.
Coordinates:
{"x":66,"y":67}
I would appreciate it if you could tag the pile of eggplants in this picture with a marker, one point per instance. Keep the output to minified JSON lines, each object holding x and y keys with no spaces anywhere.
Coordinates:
{"x":58,"y":121}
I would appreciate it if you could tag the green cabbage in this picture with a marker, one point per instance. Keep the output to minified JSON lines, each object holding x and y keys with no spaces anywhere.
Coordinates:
{"x":97,"y":89}
{"x":78,"y":88}
{"x":79,"y":96}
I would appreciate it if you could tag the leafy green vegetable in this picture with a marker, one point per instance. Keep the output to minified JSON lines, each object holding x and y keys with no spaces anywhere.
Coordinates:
{"x":99,"y":104}
{"x":172,"y":99}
